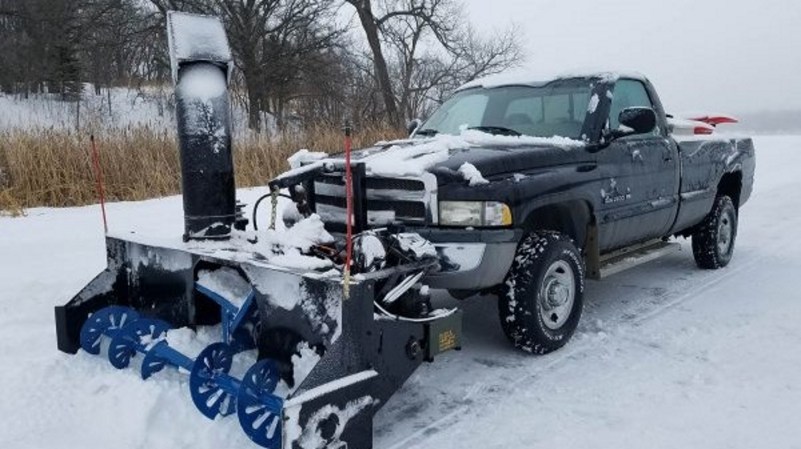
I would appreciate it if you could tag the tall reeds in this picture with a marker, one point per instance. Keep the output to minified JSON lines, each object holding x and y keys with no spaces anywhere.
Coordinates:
{"x":47,"y":167}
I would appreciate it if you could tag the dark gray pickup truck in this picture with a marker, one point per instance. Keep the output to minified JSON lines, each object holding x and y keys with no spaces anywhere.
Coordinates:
{"x":526,"y":188}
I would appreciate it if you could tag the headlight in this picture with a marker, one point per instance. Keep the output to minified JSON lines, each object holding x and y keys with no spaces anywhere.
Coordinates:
{"x":474,"y":213}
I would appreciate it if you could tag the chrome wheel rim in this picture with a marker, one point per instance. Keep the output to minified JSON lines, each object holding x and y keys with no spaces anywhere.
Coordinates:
{"x":725,"y":234}
{"x":557,"y":294}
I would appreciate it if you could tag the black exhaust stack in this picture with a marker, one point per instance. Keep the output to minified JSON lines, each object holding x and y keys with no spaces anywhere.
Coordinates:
{"x":201,"y":65}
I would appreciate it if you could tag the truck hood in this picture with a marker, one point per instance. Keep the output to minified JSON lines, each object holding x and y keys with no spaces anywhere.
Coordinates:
{"x":444,"y":155}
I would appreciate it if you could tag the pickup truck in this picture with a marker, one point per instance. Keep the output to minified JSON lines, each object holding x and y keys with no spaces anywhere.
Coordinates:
{"x":526,"y":188}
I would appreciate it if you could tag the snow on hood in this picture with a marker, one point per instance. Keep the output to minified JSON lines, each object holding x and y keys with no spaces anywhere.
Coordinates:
{"x":472,"y":175}
{"x":412,"y":157}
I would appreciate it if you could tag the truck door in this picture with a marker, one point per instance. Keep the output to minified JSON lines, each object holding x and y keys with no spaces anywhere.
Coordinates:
{"x":639,"y":187}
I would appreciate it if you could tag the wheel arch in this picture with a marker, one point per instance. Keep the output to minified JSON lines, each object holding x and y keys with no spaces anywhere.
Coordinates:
{"x":731,"y":185}
{"x":570,"y":217}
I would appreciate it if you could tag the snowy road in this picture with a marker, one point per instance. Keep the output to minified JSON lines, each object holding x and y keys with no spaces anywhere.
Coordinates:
{"x":667,"y":356}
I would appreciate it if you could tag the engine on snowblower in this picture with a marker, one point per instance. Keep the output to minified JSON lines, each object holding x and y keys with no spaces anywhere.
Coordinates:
{"x":329,"y":334}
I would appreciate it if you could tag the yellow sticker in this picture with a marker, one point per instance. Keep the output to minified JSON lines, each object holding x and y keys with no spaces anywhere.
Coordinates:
{"x":447,"y":340}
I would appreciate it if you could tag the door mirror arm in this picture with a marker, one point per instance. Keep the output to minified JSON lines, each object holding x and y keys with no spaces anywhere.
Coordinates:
{"x":413,"y":125}
{"x":607,"y":137}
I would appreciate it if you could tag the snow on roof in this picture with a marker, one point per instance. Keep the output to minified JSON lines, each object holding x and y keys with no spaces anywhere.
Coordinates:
{"x":539,"y":79}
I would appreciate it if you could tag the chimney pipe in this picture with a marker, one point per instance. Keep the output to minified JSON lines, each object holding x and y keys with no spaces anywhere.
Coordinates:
{"x":201,"y":65}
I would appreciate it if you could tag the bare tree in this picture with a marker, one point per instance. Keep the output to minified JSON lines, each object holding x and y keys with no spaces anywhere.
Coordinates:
{"x":469,"y":57}
{"x":293,"y":59}
{"x":56,"y":45}
{"x":371,"y":25}
{"x":272,"y":42}
{"x":420,"y":48}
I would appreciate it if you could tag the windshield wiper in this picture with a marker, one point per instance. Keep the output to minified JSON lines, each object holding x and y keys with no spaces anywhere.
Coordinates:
{"x":498,"y":130}
{"x":426,"y":132}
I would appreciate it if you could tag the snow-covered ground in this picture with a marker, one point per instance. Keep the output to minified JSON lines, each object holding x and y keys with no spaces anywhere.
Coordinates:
{"x":122,"y":107}
{"x":667,"y":356}
{"x":150,"y":107}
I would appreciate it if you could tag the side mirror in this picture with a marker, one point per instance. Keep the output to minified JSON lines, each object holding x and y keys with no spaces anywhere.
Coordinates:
{"x":412,"y":126}
{"x":640,"y":120}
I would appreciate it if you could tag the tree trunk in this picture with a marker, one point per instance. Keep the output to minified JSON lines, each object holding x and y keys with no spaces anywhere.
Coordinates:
{"x":381,"y":71}
{"x":254,"y":97}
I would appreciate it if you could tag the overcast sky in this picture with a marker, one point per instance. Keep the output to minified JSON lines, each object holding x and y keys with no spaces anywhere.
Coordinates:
{"x":707,"y":55}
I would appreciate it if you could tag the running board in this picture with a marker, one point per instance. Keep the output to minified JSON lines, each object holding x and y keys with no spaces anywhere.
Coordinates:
{"x":632,"y":256}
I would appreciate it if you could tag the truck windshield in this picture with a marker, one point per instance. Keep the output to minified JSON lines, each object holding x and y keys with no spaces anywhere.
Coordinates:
{"x":556,"y":109}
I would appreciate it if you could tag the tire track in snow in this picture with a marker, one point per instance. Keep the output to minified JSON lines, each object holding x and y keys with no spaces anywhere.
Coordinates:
{"x":482,"y":392}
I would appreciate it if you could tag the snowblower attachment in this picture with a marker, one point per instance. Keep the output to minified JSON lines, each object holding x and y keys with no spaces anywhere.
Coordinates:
{"x":320,"y":363}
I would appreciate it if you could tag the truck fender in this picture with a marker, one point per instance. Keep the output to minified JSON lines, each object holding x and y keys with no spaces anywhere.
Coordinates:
{"x":571,"y":217}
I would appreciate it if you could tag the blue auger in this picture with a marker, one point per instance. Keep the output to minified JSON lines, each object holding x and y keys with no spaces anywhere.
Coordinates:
{"x":213,"y":391}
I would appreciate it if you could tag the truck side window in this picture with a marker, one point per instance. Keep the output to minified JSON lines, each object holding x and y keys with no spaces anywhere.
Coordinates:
{"x":627,"y":94}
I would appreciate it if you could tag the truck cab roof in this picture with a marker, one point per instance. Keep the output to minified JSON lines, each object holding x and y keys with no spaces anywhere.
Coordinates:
{"x":538,"y":80}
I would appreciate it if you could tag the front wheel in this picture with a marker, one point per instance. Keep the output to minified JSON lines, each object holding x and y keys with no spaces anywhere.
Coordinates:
{"x":541,"y":300}
{"x":713,"y":242}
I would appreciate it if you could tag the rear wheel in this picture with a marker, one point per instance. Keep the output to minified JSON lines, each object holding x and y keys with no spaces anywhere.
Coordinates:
{"x":713,"y":243}
{"x":541,"y":300}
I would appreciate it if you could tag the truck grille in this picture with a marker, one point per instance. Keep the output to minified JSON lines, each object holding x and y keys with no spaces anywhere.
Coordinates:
{"x":389,"y":200}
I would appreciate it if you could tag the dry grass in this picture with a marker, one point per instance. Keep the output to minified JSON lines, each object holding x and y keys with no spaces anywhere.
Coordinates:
{"x":54,"y":167}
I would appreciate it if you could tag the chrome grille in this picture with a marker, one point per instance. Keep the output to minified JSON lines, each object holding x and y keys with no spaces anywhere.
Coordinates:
{"x":389,"y":200}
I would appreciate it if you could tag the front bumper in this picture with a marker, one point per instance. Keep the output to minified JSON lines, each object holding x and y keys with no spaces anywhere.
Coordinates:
{"x":471,"y":259}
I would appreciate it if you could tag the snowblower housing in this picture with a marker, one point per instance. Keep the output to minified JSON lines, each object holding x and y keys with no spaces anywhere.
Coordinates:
{"x":326,"y":361}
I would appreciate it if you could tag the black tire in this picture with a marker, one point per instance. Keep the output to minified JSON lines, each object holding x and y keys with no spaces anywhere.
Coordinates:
{"x":545,"y":264}
{"x":713,"y":242}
